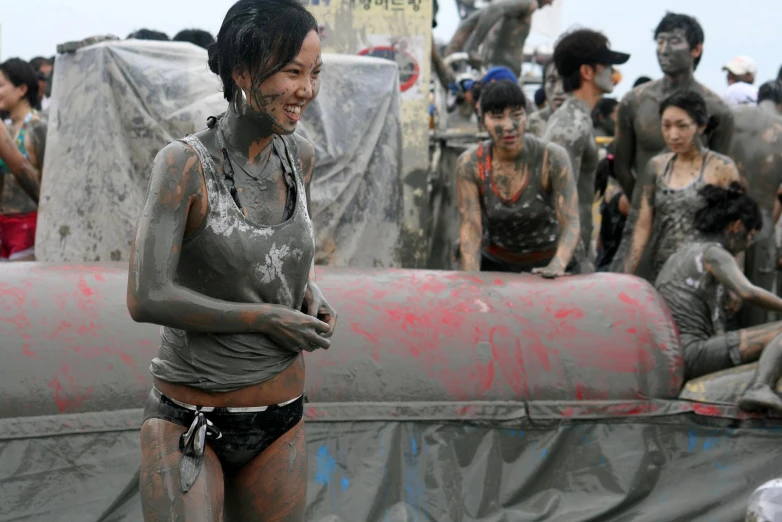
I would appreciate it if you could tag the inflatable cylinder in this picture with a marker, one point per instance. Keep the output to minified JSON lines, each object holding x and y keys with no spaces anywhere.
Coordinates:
{"x":70,"y":346}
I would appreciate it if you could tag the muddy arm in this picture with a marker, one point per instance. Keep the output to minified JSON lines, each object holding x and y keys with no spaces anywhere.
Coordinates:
{"x":493,"y":14}
{"x":644,"y":203}
{"x":624,"y":147}
{"x":469,"y":203}
{"x":462,"y":33}
{"x":723,"y":266}
{"x":314,"y":302}
{"x":176,"y":185}
{"x":560,"y":181}
{"x":25,"y":172}
{"x":441,"y":70}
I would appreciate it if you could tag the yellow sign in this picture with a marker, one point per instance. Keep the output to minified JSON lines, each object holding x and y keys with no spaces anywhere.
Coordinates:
{"x":398,"y":30}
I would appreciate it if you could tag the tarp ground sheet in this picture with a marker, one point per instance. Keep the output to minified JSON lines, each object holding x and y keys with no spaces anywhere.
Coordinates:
{"x":426,"y":466}
{"x":116,"y":104}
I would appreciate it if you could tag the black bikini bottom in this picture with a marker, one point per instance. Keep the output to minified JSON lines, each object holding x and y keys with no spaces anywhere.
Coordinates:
{"x":237,"y":435}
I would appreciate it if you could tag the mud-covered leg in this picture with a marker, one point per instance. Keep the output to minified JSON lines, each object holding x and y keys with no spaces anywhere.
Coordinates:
{"x":760,"y":394}
{"x":162,"y":498}
{"x":273,"y":486}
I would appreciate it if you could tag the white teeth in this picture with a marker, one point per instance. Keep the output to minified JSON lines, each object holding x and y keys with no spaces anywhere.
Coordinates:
{"x":293,"y":109}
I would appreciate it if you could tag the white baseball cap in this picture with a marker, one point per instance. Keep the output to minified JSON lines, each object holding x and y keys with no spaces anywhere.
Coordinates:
{"x":741,"y":65}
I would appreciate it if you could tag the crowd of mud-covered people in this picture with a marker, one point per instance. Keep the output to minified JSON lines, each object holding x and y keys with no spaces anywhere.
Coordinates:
{"x":688,"y":182}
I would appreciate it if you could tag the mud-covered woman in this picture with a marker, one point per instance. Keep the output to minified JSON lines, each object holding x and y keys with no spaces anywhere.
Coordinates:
{"x":223,"y":260}
{"x":671,"y":181}
{"x":20,"y":182}
{"x":694,"y":281}
{"x":520,"y":190}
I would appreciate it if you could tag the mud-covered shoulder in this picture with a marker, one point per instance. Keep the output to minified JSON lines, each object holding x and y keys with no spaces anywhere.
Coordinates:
{"x":715,"y":103}
{"x":467,"y":164}
{"x":722,"y":170}
{"x":177,"y":175}
{"x":307,"y":156}
{"x":556,"y":155}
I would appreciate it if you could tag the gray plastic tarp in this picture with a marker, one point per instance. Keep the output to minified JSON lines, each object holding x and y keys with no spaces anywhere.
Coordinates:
{"x":446,"y":396}
{"x":116,"y":104}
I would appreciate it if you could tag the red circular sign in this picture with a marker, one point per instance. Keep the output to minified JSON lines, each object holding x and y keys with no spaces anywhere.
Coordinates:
{"x":409,"y":71}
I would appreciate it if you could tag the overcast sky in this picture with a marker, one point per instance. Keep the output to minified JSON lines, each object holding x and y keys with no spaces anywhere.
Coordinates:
{"x":35,"y":27}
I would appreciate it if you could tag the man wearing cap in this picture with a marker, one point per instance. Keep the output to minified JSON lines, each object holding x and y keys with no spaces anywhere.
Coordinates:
{"x":741,"y":75}
{"x":500,"y":29}
{"x":585,"y":63}
{"x":757,"y":151}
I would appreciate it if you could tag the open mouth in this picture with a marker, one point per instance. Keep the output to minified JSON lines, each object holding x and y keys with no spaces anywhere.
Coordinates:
{"x":293,"y":112}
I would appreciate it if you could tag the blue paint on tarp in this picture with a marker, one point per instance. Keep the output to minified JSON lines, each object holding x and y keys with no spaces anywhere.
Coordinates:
{"x":692,"y":441}
{"x":414,"y":444}
{"x":345,"y":484}
{"x":326,"y":466}
{"x":516,"y":433}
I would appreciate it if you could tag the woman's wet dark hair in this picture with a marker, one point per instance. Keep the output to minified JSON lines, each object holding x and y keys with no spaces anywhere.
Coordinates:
{"x":723,"y":206}
{"x":498,"y":96}
{"x":19,"y":73}
{"x":263,"y":35}
{"x":693,"y":104}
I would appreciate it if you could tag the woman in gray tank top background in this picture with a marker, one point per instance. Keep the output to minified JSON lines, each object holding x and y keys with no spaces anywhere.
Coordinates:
{"x":516,"y":194}
{"x":667,"y":193}
{"x":693,"y":282}
{"x":223,"y":261}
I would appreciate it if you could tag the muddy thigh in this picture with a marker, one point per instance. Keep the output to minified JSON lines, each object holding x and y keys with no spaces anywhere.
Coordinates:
{"x":273,"y":486}
{"x":162,"y":498}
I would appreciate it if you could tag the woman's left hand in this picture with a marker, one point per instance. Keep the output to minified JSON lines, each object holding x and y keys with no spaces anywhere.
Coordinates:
{"x":317,"y":306}
{"x":553,"y":270}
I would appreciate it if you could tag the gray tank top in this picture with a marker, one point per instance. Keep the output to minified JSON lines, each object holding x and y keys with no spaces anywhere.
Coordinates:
{"x":693,"y":295}
{"x":674,"y":213}
{"x":527,"y":222}
{"x":232,"y":259}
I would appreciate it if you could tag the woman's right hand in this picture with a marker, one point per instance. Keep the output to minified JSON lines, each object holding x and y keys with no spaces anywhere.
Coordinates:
{"x":297,"y":331}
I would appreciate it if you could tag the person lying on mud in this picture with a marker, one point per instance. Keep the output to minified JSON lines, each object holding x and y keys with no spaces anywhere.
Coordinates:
{"x":518,"y":188}
{"x":223,"y":260}
{"x":694,"y":281}
{"x":670,"y":183}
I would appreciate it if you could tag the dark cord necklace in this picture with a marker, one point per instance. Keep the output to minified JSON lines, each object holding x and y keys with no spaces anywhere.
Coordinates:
{"x":229,"y":174}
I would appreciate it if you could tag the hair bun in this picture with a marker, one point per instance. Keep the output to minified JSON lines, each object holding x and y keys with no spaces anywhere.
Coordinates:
{"x":735,"y":190}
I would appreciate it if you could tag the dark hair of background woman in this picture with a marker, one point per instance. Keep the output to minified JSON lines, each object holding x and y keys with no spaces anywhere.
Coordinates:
{"x":723,"y":206}
{"x":262,"y":35}
{"x":19,"y":73}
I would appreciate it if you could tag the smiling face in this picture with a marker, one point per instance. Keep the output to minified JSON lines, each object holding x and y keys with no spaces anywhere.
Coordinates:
{"x":673,"y":52}
{"x":506,"y":127}
{"x":283,"y":96}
